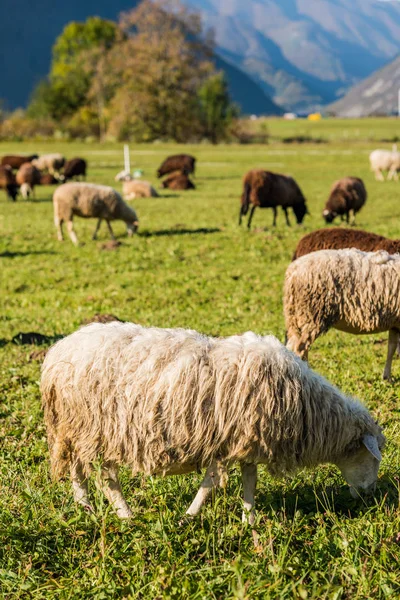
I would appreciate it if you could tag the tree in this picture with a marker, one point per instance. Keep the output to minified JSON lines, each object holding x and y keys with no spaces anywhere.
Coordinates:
{"x":216,"y":109}
{"x":162,"y":66}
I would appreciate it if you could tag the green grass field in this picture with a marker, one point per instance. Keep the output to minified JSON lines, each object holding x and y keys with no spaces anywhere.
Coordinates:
{"x":191,"y":266}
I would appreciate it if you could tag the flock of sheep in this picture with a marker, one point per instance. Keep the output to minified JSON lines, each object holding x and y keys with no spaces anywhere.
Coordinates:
{"x":173,"y":401}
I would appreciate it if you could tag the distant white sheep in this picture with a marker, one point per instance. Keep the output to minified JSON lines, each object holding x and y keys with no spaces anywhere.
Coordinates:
{"x":53,"y":163}
{"x":350,"y":290}
{"x":385,"y":160}
{"x":136,"y":188}
{"x":172,"y":401}
{"x":88,"y":200}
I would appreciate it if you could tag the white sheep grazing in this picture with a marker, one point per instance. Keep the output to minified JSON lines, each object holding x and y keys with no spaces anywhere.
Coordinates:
{"x":53,"y":163}
{"x":350,"y":290}
{"x":385,"y":160}
{"x":90,"y":201}
{"x":172,"y":401}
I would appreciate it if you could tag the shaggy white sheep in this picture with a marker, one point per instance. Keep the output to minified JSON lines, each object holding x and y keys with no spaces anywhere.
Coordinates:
{"x":172,"y":401}
{"x":53,"y":163}
{"x":385,"y":160}
{"x":89,"y":200}
{"x":350,"y":290}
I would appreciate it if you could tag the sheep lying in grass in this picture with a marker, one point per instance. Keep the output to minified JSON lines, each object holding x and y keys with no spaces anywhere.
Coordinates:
{"x":347,"y":196}
{"x":88,"y":200}
{"x":338,"y":238}
{"x":178,"y":181}
{"x":385,"y":160}
{"x":137,"y":188}
{"x":353,"y":291}
{"x":270,"y":190}
{"x":172,"y":401}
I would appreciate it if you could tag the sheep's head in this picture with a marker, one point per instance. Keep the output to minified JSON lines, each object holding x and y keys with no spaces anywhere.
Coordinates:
{"x":132,"y":227}
{"x":329,"y":216}
{"x":360,"y":468}
{"x":300,"y":210}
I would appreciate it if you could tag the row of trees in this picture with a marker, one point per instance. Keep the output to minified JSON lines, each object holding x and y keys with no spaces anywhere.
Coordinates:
{"x":149,"y":76}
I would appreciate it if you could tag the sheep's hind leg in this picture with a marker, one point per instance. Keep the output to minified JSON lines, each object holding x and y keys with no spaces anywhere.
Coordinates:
{"x":249,"y":478}
{"x":111,"y":488}
{"x":58,"y":223}
{"x":253,"y":208}
{"x":393,"y":342}
{"x":285,"y":210}
{"x":110,"y":230}
{"x":214,"y":477}
{"x":80,"y":486}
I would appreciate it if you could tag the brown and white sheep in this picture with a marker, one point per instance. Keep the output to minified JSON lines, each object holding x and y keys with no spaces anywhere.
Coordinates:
{"x":88,"y":200}
{"x":53,"y":163}
{"x":27,"y":178}
{"x":8,"y":182}
{"x":178,"y":162}
{"x":338,"y":238}
{"x":16,"y":160}
{"x":270,"y":190}
{"x":347,"y":196}
{"x":178,"y":181}
{"x":349,"y":290}
{"x":173,"y":401}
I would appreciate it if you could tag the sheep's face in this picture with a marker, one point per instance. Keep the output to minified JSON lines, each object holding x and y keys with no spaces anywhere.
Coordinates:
{"x":329,"y":216}
{"x":360,"y":470}
{"x":132,"y":227}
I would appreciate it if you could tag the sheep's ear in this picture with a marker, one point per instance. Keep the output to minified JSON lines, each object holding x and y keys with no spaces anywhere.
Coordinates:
{"x":371,"y":444}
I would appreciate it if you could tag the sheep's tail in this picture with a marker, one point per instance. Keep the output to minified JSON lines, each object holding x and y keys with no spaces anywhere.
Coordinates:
{"x":245,"y":202}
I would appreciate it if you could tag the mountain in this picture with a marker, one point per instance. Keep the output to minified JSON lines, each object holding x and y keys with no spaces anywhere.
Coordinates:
{"x":304,"y":53}
{"x":28,"y":32}
{"x":378,"y":94}
{"x":301,"y":53}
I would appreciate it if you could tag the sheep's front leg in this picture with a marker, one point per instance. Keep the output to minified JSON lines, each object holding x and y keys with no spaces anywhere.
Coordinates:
{"x":96,"y":231}
{"x":393,"y":341}
{"x":58,"y":223}
{"x":211,"y":479}
{"x":249,"y":479}
{"x":275,"y":215}
{"x":110,"y":230}
{"x":80,"y":486}
{"x":71,"y":232}
{"x":111,"y":488}
{"x":253,"y":208}
{"x":352,"y":216}
{"x":379,"y":175}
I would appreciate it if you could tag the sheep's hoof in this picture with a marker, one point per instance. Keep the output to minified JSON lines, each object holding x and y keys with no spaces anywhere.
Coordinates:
{"x":387,"y":378}
{"x":185,"y":520}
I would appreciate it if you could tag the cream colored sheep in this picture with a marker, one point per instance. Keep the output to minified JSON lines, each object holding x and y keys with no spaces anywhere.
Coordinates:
{"x":88,"y":200}
{"x":53,"y":163}
{"x":350,"y":290}
{"x":136,"y":188}
{"x":172,"y":401}
{"x":385,"y":160}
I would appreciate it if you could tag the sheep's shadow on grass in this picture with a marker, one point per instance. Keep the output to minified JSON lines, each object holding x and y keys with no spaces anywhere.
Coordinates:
{"x":7,"y":254}
{"x":33,"y":338}
{"x":183,"y":231}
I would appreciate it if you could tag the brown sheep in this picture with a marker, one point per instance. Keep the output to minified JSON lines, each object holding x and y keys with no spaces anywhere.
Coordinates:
{"x":347,"y":196}
{"x":8,"y":182}
{"x":48,"y":179}
{"x":75,"y":167}
{"x":270,"y":190}
{"x":337,"y":238}
{"x":178,"y":162}
{"x":16,"y":160}
{"x":178,"y":181}
{"x":27,"y":177}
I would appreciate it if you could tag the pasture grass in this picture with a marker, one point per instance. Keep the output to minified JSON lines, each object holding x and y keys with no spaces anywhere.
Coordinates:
{"x":189,"y":266}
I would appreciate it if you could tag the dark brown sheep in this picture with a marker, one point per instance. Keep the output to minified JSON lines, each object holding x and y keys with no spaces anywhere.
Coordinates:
{"x":16,"y":160}
{"x":75,"y":167}
{"x":178,"y":162}
{"x":48,"y":179}
{"x":8,"y":182}
{"x":337,"y":238}
{"x":270,"y":190}
{"x":178,"y":181}
{"x":347,"y":196}
{"x":27,"y":177}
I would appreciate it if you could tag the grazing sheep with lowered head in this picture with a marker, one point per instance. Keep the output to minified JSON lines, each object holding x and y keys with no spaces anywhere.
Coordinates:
{"x":88,"y":200}
{"x":16,"y":160}
{"x":338,"y":238}
{"x":178,"y":181}
{"x":178,"y":162}
{"x":385,"y":160}
{"x":350,"y":290}
{"x":347,"y":196}
{"x":173,"y":401}
{"x":8,"y":182}
{"x":53,"y":163}
{"x":27,"y":178}
{"x":269,"y":190}
{"x":74,"y":167}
